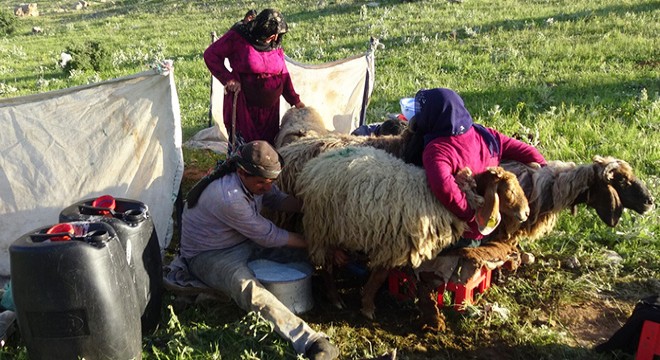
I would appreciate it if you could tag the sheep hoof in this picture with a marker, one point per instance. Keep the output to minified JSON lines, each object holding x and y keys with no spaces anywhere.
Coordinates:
{"x":435,"y":324}
{"x":339,"y":305}
{"x":369,"y":314}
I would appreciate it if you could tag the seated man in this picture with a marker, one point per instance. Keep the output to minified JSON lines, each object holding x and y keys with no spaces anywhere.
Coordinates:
{"x":222,"y":229}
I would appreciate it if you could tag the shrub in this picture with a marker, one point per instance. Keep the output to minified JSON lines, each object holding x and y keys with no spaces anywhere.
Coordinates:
{"x":92,"y":55}
{"x":7,"y":23}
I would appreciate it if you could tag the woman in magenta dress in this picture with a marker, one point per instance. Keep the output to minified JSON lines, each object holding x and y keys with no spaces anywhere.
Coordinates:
{"x":258,"y":78}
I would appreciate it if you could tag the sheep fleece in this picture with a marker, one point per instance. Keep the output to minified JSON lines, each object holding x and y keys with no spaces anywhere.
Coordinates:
{"x":363,"y":199}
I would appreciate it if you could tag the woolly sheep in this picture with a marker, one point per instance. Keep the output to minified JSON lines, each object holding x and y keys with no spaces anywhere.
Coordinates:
{"x":348,"y":197}
{"x":299,"y":123}
{"x":297,"y":154}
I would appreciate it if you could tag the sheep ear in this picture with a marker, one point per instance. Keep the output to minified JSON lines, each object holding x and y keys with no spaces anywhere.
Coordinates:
{"x":608,"y":172}
{"x":605,"y":200}
{"x":497,"y":171}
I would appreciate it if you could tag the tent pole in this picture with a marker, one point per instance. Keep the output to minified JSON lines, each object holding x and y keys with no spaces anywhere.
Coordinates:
{"x":214,"y":37}
{"x":373,"y":44}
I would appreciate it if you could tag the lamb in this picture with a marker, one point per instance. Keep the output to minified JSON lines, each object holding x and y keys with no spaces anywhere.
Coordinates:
{"x":348,"y":197}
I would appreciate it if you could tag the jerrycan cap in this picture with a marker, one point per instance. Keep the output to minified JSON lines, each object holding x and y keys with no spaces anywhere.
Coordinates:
{"x":105,"y":201}
{"x":64,"y":231}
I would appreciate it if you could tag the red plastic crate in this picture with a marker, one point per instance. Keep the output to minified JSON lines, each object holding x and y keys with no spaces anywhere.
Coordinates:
{"x":464,"y":293}
{"x":403,"y":287}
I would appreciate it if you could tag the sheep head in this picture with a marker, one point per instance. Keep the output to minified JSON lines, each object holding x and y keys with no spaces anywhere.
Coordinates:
{"x":495,"y":185}
{"x":299,"y":123}
{"x":512,"y":199}
{"x":616,"y":188}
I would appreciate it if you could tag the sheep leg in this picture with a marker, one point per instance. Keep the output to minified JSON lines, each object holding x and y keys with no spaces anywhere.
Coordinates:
{"x":331,"y":287}
{"x":376,"y":279}
{"x":431,"y":318}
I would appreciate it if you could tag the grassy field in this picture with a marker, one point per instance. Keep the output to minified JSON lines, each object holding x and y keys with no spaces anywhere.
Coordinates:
{"x":576,"y":78}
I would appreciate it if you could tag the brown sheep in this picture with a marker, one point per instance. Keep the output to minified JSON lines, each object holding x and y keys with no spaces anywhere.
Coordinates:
{"x":608,"y":185}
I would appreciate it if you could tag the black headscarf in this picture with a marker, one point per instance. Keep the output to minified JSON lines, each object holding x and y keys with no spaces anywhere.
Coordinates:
{"x":267,"y":23}
{"x":441,"y":112}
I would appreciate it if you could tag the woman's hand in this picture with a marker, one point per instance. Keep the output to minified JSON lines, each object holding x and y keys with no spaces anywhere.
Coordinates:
{"x":233,"y":86}
{"x":300,"y":105}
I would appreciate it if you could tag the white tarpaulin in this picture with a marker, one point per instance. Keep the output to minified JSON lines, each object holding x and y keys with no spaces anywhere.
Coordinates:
{"x":338,"y":90}
{"x":120,"y":137}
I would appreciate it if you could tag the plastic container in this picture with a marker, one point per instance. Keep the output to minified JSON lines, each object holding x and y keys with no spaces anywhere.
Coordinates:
{"x":290,"y":283}
{"x":407,"y":107}
{"x":74,"y":298}
{"x":135,"y":228}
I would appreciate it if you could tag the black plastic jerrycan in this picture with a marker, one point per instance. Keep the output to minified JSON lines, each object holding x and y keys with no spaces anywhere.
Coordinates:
{"x":137,"y":234}
{"x":73,"y":293}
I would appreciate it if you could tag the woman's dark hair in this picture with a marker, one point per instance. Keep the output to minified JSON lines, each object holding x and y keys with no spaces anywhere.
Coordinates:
{"x":268,"y":23}
{"x":221,"y":169}
{"x":412,"y":153}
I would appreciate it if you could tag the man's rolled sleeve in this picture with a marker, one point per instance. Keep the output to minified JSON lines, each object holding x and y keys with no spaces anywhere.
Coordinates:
{"x":244,"y":218}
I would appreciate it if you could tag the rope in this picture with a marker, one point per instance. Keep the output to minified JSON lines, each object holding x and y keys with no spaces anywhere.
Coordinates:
{"x":233,"y":121}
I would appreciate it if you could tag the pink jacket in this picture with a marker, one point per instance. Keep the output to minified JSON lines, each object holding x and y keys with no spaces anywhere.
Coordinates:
{"x":444,"y":156}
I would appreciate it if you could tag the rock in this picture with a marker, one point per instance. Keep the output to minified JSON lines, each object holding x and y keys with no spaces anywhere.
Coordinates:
{"x":81,"y":5}
{"x":26,"y":10}
{"x":64,"y":59}
{"x":37,"y":30}
{"x":612,"y":257}
{"x":572,"y":262}
{"x":527,"y":258}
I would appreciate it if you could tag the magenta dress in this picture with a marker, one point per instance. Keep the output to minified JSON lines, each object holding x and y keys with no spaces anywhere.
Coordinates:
{"x":263,"y":76}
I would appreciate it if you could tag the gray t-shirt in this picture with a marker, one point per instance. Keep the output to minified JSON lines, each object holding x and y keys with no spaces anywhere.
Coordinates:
{"x":228,"y":214}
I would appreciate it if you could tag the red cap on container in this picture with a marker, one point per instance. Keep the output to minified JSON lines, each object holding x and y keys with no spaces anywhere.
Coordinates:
{"x":61,"y":228}
{"x":105,"y":201}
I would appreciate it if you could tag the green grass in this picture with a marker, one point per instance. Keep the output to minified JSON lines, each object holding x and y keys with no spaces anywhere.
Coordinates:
{"x":577,"y":78}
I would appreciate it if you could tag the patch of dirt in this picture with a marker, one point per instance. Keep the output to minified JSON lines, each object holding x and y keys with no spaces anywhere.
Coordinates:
{"x":192,"y":174}
{"x":594,"y":322}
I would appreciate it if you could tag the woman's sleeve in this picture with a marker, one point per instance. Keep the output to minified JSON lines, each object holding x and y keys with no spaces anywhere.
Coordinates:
{"x":215,"y":55}
{"x":439,"y":174}
{"x":513,"y":149}
{"x":288,"y":92}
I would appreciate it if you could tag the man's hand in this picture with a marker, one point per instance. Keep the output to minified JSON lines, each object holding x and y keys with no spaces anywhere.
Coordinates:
{"x":340,"y":257}
{"x":296,"y":240}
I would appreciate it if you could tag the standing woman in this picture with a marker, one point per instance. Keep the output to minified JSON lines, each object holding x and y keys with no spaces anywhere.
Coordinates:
{"x":258,"y":78}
